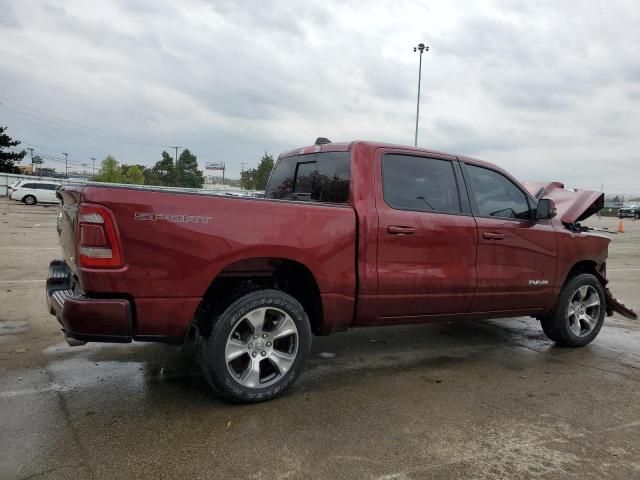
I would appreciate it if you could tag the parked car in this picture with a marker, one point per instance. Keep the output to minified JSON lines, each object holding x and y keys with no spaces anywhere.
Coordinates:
{"x":32,"y":192}
{"x":630,"y":212}
{"x":349,"y":235}
{"x":11,"y":188}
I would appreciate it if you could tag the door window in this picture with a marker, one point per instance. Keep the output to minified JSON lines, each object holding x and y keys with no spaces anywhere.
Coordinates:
{"x":496,"y":195}
{"x":420,"y":184}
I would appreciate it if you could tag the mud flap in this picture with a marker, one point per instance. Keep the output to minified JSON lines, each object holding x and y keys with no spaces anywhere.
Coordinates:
{"x":615,"y":305}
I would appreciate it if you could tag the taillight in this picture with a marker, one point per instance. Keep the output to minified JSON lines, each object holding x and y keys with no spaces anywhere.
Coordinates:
{"x":98,"y":245}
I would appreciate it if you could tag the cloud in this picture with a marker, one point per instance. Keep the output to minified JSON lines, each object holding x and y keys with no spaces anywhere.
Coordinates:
{"x":548,"y":90}
{"x":8,"y":18}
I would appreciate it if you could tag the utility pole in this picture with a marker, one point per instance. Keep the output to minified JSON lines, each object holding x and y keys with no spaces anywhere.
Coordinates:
{"x":31,"y":152}
{"x":242,"y":164}
{"x":422,"y":48}
{"x":66,"y":164}
{"x":84,"y":174}
{"x":94,"y":166}
{"x":176,"y":152}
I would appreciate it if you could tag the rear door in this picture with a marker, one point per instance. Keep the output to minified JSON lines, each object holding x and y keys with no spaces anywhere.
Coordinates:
{"x":426,"y":237}
{"x":517,"y":256}
{"x":29,"y":189}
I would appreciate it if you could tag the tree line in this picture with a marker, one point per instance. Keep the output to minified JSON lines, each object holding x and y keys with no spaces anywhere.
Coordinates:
{"x":257,"y":178}
{"x":166,"y":172}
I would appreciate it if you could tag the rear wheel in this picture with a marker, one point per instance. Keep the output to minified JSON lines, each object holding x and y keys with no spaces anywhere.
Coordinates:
{"x":29,"y":200}
{"x":579,"y":313}
{"x":256,"y":347}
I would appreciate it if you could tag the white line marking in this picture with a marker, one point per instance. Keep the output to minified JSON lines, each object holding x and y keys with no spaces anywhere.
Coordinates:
{"x":29,"y":248}
{"x":624,"y":270}
{"x":33,"y":391}
{"x":21,"y":281}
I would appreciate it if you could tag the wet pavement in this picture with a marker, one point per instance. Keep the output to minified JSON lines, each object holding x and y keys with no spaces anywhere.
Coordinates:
{"x":457,"y":400}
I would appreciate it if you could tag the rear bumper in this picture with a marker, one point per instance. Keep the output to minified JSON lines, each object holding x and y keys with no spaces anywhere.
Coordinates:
{"x":83,"y":318}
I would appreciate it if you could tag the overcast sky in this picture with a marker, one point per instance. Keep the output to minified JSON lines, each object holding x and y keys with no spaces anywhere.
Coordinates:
{"x":548,"y":90}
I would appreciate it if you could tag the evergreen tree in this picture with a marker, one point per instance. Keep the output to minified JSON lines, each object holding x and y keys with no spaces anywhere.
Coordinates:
{"x":257,"y":178}
{"x":8,"y":158}
{"x":165,"y":170}
{"x":187,"y":173}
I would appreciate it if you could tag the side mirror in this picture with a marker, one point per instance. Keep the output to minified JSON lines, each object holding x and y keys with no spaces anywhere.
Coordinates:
{"x":546,"y":209}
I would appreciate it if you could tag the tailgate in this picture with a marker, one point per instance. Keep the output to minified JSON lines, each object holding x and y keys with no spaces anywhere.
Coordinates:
{"x":67,"y":223}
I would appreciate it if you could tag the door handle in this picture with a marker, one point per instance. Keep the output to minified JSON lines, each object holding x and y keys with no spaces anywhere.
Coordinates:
{"x":492,"y":236}
{"x":400,"y":230}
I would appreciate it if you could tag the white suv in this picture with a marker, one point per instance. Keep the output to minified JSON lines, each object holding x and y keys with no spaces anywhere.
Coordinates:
{"x":31,"y":192}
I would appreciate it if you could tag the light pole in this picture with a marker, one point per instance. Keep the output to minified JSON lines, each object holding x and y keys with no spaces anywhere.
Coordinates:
{"x":93,"y":159}
{"x":84,"y":172}
{"x":422,"y":48}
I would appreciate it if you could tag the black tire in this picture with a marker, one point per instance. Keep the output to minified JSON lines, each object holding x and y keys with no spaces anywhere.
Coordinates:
{"x":636,"y":216}
{"x":558,"y":324}
{"x":29,"y":200}
{"x":212,"y":348}
{"x":548,"y":327}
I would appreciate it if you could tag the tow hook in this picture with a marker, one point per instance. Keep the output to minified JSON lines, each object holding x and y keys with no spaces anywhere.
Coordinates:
{"x":73,"y":342}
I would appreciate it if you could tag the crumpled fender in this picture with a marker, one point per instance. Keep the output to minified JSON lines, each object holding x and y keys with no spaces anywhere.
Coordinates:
{"x":615,"y":305}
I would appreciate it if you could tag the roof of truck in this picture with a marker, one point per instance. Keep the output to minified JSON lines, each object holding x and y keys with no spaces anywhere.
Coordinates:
{"x":346,"y":146}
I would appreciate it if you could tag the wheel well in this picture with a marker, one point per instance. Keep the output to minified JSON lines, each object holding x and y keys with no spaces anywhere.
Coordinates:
{"x":585,"y":266}
{"x":244,"y":276}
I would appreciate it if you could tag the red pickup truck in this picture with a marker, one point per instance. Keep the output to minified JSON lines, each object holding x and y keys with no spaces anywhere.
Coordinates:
{"x":349,"y":235}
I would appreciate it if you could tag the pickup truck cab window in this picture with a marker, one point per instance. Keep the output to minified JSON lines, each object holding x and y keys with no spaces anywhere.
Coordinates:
{"x":419,"y":184}
{"x":319,"y":177}
{"x":495,"y":195}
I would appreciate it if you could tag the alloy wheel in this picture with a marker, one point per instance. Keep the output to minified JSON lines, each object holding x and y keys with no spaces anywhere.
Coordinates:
{"x":261,"y":347}
{"x":583,"y":311}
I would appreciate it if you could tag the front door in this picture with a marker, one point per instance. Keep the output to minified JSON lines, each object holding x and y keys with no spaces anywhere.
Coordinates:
{"x":517,"y":256}
{"x":426,"y":238}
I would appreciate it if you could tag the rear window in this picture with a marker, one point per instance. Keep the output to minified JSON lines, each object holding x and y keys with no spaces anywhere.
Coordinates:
{"x":318,"y":177}
{"x":29,"y":185}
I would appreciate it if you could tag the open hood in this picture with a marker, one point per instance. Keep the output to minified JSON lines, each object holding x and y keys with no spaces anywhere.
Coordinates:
{"x":572,"y":205}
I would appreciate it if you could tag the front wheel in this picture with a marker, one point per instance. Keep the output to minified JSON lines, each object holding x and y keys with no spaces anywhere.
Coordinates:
{"x":579,"y":313}
{"x":636,"y":216}
{"x":256,"y":347}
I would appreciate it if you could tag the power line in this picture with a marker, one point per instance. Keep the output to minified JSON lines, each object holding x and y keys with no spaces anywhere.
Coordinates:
{"x":73,"y":127}
{"x":48,"y":157}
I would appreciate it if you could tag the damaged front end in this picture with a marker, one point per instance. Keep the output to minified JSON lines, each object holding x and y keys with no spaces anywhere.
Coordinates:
{"x":573,"y":206}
